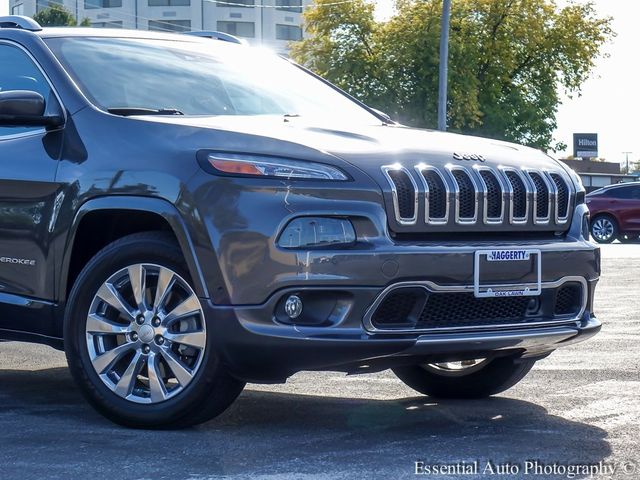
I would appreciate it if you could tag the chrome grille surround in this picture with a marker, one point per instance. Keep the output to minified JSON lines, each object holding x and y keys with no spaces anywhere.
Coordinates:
{"x":466,"y":220}
{"x":421,"y":169}
{"x":394,"y":192}
{"x":504,"y":195}
{"x":532,"y":174}
{"x":513,"y":219}
{"x":466,"y":195}
{"x":554,"y":179}
{"x":434,"y":288}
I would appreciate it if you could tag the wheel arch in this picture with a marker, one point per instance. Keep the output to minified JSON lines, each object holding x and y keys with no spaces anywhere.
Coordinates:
{"x":141,"y":214}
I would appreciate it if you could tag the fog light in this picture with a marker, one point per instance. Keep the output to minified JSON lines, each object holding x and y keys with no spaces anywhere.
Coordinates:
{"x":315,"y":232}
{"x":293,"y":306}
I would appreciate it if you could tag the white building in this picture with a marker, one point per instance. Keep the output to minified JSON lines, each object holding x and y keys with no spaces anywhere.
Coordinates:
{"x":273,"y":23}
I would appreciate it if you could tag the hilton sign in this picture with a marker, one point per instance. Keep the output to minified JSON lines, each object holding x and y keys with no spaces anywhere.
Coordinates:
{"x":585,"y":145}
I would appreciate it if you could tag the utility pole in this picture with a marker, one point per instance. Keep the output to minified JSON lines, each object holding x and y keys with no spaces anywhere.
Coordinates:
{"x":444,"y":65}
{"x":627,"y":154}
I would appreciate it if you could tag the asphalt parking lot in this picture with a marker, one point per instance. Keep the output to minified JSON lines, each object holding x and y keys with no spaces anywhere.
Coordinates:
{"x":579,"y":406}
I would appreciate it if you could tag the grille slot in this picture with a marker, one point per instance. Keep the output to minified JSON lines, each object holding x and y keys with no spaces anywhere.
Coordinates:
{"x":464,"y":310}
{"x":466,"y":204}
{"x":562,"y":201}
{"x":493,"y":199}
{"x":416,"y":308}
{"x":406,"y":196}
{"x":436,"y":196}
{"x":401,"y":307}
{"x":542,"y":195}
{"x":519,"y":195}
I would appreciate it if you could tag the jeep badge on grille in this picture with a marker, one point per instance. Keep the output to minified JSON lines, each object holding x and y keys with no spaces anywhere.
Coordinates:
{"x":472,"y":157}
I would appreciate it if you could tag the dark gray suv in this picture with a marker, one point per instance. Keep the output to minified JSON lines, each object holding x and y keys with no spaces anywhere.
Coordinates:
{"x":183,"y":215}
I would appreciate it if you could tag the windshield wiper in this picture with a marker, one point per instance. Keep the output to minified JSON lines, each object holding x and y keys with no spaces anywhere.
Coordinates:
{"x":128,"y":111}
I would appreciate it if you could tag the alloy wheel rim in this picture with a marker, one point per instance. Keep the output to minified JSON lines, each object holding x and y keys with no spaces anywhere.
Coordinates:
{"x":146,"y":333}
{"x":602,"y":229}
{"x":456,"y":369}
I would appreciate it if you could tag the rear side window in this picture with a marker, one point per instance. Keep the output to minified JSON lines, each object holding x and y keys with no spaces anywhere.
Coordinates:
{"x":625,"y":193}
{"x":18,"y":72}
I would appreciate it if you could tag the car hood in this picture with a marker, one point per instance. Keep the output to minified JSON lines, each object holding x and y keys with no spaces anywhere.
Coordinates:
{"x":366,"y":146}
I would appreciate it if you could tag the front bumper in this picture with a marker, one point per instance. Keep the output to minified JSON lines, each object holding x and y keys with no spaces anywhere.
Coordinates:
{"x":256,"y":351}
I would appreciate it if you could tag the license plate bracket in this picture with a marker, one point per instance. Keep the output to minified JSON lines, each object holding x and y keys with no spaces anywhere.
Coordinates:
{"x":508,"y":289}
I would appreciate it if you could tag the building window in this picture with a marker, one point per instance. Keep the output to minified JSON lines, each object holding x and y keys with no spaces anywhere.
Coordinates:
{"x":289,"y":5}
{"x":102,"y":4}
{"x":288,"y":32}
{"x":236,"y":3}
{"x":44,"y":4}
{"x":114,"y":24}
{"x":240,"y":29}
{"x":169,"y":3}
{"x":170,"y":25}
{"x":18,"y":9}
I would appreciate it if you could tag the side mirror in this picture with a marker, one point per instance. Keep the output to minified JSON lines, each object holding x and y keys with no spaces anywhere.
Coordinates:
{"x":24,"y":108}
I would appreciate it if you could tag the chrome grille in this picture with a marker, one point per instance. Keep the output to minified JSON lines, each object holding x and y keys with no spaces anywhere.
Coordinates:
{"x":542,"y":197}
{"x":405,"y":194}
{"x":436,"y":195}
{"x":520,"y":200}
{"x":477,"y":195}
{"x":494,"y":196}
{"x":466,"y":195}
{"x":562,"y":192}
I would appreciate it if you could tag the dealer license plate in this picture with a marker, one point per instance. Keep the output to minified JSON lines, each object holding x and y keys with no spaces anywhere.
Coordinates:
{"x":507,"y":273}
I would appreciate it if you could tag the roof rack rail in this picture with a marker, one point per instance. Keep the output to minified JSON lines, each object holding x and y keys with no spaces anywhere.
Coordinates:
{"x":225,"y":37}
{"x":20,"y":21}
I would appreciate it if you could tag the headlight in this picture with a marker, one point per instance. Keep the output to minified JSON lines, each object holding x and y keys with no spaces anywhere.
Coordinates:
{"x":315,"y":232}
{"x":264,"y":166}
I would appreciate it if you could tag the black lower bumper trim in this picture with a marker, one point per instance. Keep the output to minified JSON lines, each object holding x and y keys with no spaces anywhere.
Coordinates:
{"x":258,"y":354}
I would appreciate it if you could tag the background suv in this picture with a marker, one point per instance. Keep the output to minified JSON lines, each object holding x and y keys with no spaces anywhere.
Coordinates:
{"x":615,"y":213}
{"x":183,"y":215}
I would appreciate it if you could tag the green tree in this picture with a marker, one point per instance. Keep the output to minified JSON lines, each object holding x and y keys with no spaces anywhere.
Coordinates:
{"x":56,"y":15}
{"x":509,"y":59}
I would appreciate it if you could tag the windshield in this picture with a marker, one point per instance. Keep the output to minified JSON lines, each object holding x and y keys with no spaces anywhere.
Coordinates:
{"x":198,"y":78}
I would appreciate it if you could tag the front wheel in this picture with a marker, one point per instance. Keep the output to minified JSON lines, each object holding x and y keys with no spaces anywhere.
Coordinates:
{"x":137,"y":341}
{"x":466,"y":379}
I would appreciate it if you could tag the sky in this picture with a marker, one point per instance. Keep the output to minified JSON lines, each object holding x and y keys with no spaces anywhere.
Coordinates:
{"x":610,"y":102}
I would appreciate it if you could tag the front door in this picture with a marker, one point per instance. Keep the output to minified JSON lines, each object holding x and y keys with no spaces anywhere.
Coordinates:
{"x":28,"y":198}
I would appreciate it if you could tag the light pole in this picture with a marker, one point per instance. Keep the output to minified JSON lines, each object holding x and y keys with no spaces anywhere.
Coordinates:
{"x":627,"y":154}
{"x":444,"y":65}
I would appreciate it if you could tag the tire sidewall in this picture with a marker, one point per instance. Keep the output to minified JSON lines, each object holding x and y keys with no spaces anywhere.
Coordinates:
{"x":100,"y":268}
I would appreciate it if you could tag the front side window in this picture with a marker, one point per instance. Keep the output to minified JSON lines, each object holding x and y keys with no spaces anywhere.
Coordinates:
{"x":199,"y":77}
{"x":288,"y":32}
{"x":18,"y":72}
{"x":88,"y":4}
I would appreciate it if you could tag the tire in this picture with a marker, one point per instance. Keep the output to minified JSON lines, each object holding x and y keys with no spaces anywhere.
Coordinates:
{"x":604,"y":229}
{"x":173,"y":384}
{"x":492,"y":377}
